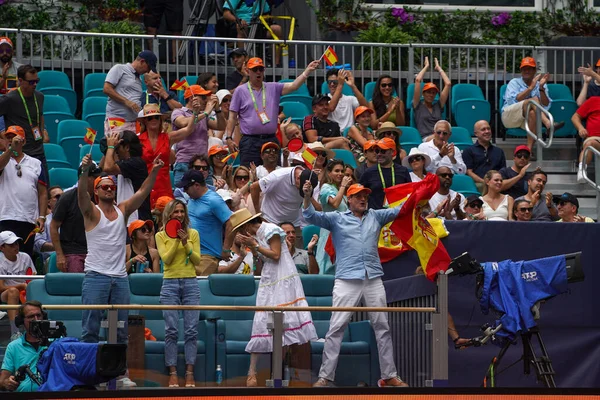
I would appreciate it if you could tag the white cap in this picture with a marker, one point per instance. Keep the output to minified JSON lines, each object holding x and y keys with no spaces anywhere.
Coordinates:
{"x":222,"y":93}
{"x":298,"y":158}
{"x":225,"y":195}
{"x":8,"y":237}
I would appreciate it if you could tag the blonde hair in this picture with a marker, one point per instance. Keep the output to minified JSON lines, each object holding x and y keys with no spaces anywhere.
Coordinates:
{"x":231,"y":182}
{"x":487,"y":178}
{"x":170,"y":209}
{"x":291,"y":125}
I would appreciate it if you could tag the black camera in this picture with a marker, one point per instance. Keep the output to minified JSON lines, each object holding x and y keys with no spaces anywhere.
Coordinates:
{"x":45,"y":330}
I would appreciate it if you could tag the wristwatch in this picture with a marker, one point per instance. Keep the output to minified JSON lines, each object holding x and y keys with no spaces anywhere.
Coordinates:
{"x":169,"y":97}
{"x":310,"y":253}
{"x":228,"y":138}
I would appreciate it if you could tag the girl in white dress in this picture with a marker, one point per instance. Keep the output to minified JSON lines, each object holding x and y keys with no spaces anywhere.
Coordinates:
{"x":279,"y":285}
{"x":496,"y":206}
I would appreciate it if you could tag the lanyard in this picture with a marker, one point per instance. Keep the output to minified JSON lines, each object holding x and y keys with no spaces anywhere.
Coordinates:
{"x":264,"y":98}
{"x":381,"y":176}
{"x":37,"y":108}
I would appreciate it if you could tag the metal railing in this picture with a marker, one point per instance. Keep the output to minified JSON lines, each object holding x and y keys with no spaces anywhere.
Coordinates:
{"x":596,"y":153}
{"x":540,"y":142}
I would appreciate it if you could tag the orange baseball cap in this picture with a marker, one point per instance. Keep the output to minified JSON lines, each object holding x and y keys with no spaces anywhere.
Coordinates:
{"x":255,"y":62}
{"x":386,"y":143}
{"x":356,"y":188}
{"x":361,"y":109}
{"x":17,"y":130}
{"x":162,"y":202}
{"x":429,"y":86}
{"x":100,"y":178}
{"x":138,"y":223}
{"x":368,"y":144}
{"x":269,"y":145}
{"x":195,"y":90}
{"x":598,"y":63}
{"x":216,"y":149}
{"x":5,"y":40}
{"x":528,"y":62}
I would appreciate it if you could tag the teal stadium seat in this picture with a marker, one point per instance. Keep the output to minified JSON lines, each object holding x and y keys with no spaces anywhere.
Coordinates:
{"x":295,"y":109}
{"x":516,"y":132}
{"x":191,"y":80}
{"x":63,"y":177}
{"x":346,"y":156}
{"x":460,"y":137}
{"x":347,"y":90}
{"x":465,"y":185}
{"x":299,"y":98}
{"x":57,"y":83}
{"x":468,"y":105}
{"x":410,"y":138}
{"x":93,"y":85}
{"x":307,"y":233}
{"x":94,"y":113}
{"x":56,"y":109}
{"x":410,"y":91}
{"x":562,"y":108}
{"x":55,"y":156}
{"x":96,"y":153}
{"x":302,"y":90}
{"x":52,"y":268}
{"x":70,"y":138}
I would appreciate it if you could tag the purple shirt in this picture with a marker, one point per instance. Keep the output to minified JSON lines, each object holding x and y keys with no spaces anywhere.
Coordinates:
{"x":250,"y":123}
{"x":196,"y":143}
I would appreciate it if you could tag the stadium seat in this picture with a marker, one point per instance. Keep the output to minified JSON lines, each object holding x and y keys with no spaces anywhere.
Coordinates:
{"x":63,"y":177}
{"x":52,"y":268}
{"x":347,"y":90}
{"x":302,"y":90}
{"x":562,"y":108}
{"x":465,"y":185}
{"x":55,"y":156}
{"x":172,"y":176}
{"x":346,"y":156}
{"x":460,"y":137}
{"x":93,"y":85}
{"x":308,"y":232}
{"x":57,"y":83}
{"x":96,"y":153}
{"x":191,"y":80}
{"x":70,"y":138}
{"x":56,"y":109}
{"x":410,"y":138}
{"x":295,"y":109}
{"x":516,"y":132}
{"x":300,"y":98}
{"x":468,"y":105}
{"x":54,"y":103}
{"x":370,"y":88}
{"x":94,"y":113}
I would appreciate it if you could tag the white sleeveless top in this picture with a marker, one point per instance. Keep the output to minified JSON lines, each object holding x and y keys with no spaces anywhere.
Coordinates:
{"x":106,"y":246}
{"x":499,"y":214}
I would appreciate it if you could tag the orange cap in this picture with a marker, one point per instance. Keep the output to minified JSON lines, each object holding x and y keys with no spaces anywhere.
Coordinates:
{"x":356,"y":188}
{"x":368,"y":144}
{"x":5,"y":40}
{"x":255,"y":62}
{"x":162,"y":202}
{"x":195,"y":90}
{"x":361,"y":109}
{"x":386,"y":143}
{"x":138,"y":223}
{"x":598,"y":63}
{"x":100,"y":178}
{"x":269,"y":145}
{"x":17,"y":130}
{"x":429,"y":86}
{"x":528,"y":62}
{"x":216,"y":149}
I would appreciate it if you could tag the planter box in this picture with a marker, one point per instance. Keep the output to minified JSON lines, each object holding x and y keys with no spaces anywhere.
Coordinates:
{"x":556,"y":58}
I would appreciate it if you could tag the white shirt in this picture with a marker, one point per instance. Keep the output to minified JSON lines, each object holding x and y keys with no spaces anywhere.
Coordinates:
{"x":344,"y":111}
{"x":18,"y":267}
{"x":281,"y":201}
{"x":246,"y":267}
{"x":19,"y":195}
{"x":261,"y":171}
{"x":437,"y":198}
{"x":437,"y":161}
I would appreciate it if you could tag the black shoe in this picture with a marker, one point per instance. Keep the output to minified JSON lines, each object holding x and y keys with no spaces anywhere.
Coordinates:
{"x":558,"y":125}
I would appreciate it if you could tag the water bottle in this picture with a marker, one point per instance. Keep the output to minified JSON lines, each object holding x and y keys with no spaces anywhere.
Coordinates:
{"x":219,"y":375}
{"x":292,"y":63}
{"x":141,"y":266}
{"x":286,"y":373}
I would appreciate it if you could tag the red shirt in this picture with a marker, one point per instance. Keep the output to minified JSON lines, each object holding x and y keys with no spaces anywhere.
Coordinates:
{"x":162,"y":187}
{"x":590,"y":111}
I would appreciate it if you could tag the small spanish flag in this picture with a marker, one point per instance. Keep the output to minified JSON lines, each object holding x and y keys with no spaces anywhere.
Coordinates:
{"x":90,"y":136}
{"x":330,"y":57}
{"x":180,"y":85}
{"x":232,"y":156}
{"x":309,"y":156}
{"x":115,"y":122}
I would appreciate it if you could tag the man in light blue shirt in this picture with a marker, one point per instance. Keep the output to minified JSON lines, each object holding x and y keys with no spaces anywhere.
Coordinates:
{"x":355,"y":233}
{"x":521,"y":91}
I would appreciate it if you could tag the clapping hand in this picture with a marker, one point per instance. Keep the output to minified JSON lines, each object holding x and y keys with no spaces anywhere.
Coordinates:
{"x":312,"y":243}
{"x":436,"y":65}
{"x":544,"y":79}
{"x":426,"y":64}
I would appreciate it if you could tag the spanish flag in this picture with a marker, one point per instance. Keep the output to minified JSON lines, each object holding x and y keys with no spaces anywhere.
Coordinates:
{"x":330,"y":57}
{"x":309,"y":156}
{"x":415,"y":231}
{"x":232,"y":156}
{"x":180,"y":85}
{"x":90,"y":136}
{"x":115,"y":122}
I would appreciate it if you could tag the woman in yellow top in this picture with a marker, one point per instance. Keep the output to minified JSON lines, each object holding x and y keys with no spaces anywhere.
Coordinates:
{"x":180,"y":256}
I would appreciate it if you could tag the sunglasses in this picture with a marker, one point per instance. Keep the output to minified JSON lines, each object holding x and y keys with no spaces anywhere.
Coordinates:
{"x":145,"y":229}
{"x":6,"y":51}
{"x":258,"y":69}
{"x":416,"y":158}
{"x":33,"y":82}
{"x":563,"y":203}
{"x":56,"y":196}
{"x":226,"y":100}
{"x":522,"y":155}
{"x":220,"y":156}
{"x":242,"y":177}
{"x":332,"y":83}
{"x":386,"y":85}
{"x":525,"y":209}
{"x":106,"y":187}
{"x":474,"y":205}
{"x":380,"y":151}
{"x":270,"y":151}
{"x":321,"y":153}
{"x":19,"y":172}
{"x":446,"y":176}
{"x":444,"y":133}
{"x":151,"y":117}
{"x":201,"y":167}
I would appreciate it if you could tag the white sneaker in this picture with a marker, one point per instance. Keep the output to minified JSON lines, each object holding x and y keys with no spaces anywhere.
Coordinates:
{"x":580,"y":178}
{"x":3,"y":314}
{"x":125,"y":383}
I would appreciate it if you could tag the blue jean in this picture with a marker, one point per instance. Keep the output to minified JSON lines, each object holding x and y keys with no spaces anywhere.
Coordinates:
{"x":178,"y":170}
{"x":103,"y":289}
{"x":176,"y":292}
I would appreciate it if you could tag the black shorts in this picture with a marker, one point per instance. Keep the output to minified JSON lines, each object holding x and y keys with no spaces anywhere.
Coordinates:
{"x":172,"y":9}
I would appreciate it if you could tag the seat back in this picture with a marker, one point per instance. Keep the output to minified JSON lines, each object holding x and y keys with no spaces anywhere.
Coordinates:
{"x":302,"y":90}
{"x":468,"y":111}
{"x":94,"y":105}
{"x":307,"y":233}
{"x":145,"y":289}
{"x":559,"y":91}
{"x":461,"y":91}
{"x":347,"y":90}
{"x":93,"y":85}
{"x":51,"y":121}
{"x":96,"y":153}
{"x":346,"y":156}
{"x":54,"y":152}
{"x":300,"y":98}
{"x":464,"y":184}
{"x":562,"y":108}
{"x":318,"y":291}
{"x":56,"y":104}
{"x":460,"y":137}
{"x":72,"y":128}
{"x":410,"y":137}
{"x":63,"y":177}
{"x":69,"y":95}
{"x":49,"y":78}
{"x":294,"y":109}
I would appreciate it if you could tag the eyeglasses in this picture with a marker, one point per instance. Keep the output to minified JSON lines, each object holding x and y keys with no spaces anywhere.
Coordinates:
{"x":226,"y":100}
{"x":201,"y":167}
{"x":380,"y":151}
{"x":389,"y":134}
{"x":6,"y":51}
{"x":220,"y":156}
{"x":242,"y":177}
{"x":446,"y":176}
{"x":563,"y":203}
{"x":106,"y":187}
{"x":151,"y":117}
{"x":386,"y":85}
{"x":522,"y":155}
{"x":270,"y":151}
{"x":19,"y":172}
{"x":416,"y":158}
{"x":525,"y":209}
{"x":474,"y":205}
{"x":444,"y":133}
{"x":258,"y":69}
{"x":321,"y":153}
{"x":145,"y":229}
{"x":332,"y":83}
{"x":33,"y":82}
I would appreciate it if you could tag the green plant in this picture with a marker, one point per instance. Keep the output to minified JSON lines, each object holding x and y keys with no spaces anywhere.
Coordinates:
{"x":341,"y":15}
{"x":386,"y":58}
{"x":117,"y":49}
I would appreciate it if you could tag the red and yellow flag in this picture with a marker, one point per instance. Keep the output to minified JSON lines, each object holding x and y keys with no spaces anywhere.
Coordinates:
{"x":330,"y":57}
{"x":415,"y":231}
{"x":115,"y":122}
{"x":180,"y":85}
{"x":230,"y":156}
{"x":90,"y":136}
{"x":309,"y":156}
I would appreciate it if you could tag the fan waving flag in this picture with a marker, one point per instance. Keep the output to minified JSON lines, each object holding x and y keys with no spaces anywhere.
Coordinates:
{"x":330,"y":57}
{"x":309,"y":156}
{"x":180,"y":85}
{"x":90,"y":136}
{"x":232,"y":156}
{"x":414,"y":230}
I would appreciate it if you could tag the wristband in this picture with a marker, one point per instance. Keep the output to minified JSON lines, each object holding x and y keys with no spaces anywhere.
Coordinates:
{"x":310,"y":253}
{"x":169,"y":97}
{"x":435,"y":213}
{"x":42,"y":217}
{"x":305,"y":75}
{"x":205,"y":114}
{"x":228,"y":138}
{"x":110,"y":147}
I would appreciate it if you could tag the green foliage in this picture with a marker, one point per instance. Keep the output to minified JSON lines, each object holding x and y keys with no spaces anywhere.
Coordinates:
{"x":385,"y":58}
{"x":340,"y":15}
{"x":118,"y":49}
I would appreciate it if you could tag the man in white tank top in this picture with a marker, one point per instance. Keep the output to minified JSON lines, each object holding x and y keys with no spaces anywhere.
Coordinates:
{"x":105,"y":280}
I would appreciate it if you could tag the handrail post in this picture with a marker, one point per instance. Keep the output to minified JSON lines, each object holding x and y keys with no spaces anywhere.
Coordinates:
{"x":597,"y":176}
{"x":538,"y":113}
{"x":155,"y":46}
{"x":440,"y":331}
{"x":113,"y":323}
{"x":276,"y":327}
{"x":19,"y":45}
{"x":411,"y":69}
{"x":538,"y":128}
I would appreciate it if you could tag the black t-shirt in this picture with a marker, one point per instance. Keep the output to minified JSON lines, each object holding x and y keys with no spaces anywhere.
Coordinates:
{"x":135,"y":169}
{"x":372,"y":180}
{"x":72,"y":230}
{"x":518,"y":189}
{"x":326,"y":129}
{"x":593,"y":90}
{"x":11,"y":107}
{"x":233,"y":80}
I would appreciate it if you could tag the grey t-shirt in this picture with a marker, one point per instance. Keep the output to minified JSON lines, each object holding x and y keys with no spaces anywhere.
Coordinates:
{"x":13,"y":110}
{"x":128,"y":84}
{"x":425,"y":120}
{"x":540,"y":210}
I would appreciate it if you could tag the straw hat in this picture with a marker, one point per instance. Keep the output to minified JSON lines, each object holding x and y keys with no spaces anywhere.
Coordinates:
{"x":416,"y":152}
{"x":318,"y":146}
{"x":388,"y":127}
{"x":149,"y":110}
{"x":240,"y":217}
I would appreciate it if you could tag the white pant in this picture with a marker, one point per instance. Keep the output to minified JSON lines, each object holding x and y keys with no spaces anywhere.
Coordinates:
{"x":348,"y":293}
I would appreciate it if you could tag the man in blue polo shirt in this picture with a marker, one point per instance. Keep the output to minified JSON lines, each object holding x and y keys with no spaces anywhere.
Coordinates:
{"x":208,"y":214}
{"x":482,"y":156}
{"x":155,"y":93}
{"x":25,"y":350}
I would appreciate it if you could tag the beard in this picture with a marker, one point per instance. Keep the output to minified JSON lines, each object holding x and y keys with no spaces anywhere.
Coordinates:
{"x":5,"y":59}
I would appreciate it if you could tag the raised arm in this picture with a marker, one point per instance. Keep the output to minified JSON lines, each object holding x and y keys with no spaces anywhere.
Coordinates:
{"x":255,"y":195}
{"x":134,"y":202}
{"x":290,"y":87}
{"x":83,"y":198}
{"x":447,"y":83}
{"x":418,"y":79}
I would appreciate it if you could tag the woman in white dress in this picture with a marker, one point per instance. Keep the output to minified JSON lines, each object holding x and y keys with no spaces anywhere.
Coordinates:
{"x":496,"y":206}
{"x":417,"y":162}
{"x":279,"y":285}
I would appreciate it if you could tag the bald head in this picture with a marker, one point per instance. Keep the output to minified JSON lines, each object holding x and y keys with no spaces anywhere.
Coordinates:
{"x":483,"y":132}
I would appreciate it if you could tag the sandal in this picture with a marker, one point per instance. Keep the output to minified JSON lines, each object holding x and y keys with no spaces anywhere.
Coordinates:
{"x":251,"y":381}
{"x":189,"y":384}
{"x":173,"y":385}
